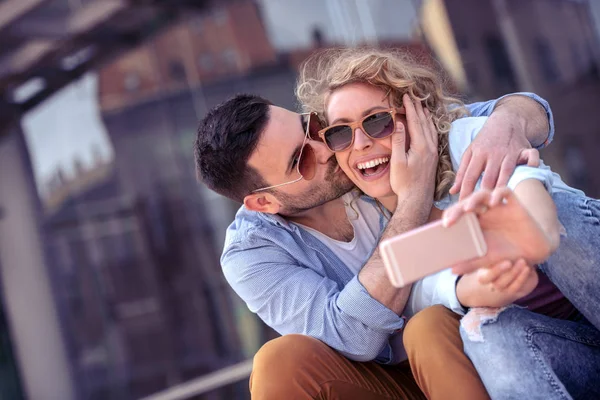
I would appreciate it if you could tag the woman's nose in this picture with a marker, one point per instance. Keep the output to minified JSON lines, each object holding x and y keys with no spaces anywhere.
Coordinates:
{"x":361,"y":140}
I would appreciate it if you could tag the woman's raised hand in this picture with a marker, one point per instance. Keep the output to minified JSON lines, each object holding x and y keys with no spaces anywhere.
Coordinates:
{"x":414,"y":154}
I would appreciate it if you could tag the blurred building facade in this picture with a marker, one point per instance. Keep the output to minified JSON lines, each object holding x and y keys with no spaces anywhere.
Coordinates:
{"x":493,"y":47}
{"x":127,"y":287}
{"x":132,"y":244}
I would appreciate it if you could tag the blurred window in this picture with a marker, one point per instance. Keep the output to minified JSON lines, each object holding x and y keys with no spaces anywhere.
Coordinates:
{"x":546,"y":60}
{"x":176,"y":71}
{"x":472,"y":73}
{"x":10,"y":387}
{"x":132,"y":81}
{"x":500,"y":63}
{"x":206,"y":62}
{"x":229,"y":57}
{"x":462,"y":41}
{"x":197,"y":25}
{"x":220,"y":17}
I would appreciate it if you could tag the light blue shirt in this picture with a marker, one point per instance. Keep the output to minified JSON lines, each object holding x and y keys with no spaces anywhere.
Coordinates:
{"x":297,"y":285}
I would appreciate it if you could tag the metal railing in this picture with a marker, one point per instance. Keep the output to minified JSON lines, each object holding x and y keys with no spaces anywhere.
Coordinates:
{"x":205,"y":383}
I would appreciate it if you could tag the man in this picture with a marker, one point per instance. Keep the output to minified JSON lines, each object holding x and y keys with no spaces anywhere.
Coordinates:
{"x":247,"y":150}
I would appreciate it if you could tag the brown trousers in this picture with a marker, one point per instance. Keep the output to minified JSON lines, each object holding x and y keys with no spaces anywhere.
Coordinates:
{"x":300,"y":367}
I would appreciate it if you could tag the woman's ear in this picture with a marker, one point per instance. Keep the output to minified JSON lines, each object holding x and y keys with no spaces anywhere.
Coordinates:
{"x":262,"y":202}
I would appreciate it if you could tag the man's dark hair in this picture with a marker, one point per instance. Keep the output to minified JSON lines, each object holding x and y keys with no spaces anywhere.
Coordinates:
{"x":226,"y":139}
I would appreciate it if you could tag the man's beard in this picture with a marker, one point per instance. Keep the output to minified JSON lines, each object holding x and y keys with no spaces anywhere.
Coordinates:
{"x":335,"y":186}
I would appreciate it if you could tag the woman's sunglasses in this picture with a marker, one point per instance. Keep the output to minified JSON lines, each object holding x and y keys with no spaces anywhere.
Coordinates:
{"x":306,"y":161}
{"x":377,"y":125}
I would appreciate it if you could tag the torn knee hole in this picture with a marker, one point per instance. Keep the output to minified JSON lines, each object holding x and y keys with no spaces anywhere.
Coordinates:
{"x":476,"y":318}
{"x":562,"y":230}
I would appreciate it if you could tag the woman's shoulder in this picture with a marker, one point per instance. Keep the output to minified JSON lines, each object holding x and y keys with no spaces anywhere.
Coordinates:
{"x":470,"y":125}
{"x":464,"y":130}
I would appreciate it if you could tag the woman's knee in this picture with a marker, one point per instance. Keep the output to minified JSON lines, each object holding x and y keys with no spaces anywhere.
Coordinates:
{"x":493,"y":326}
{"x":432,"y":321}
{"x":277,"y":366}
{"x":288,"y":351}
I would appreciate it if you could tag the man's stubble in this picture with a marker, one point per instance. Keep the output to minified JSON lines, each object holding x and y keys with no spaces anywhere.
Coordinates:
{"x":336,"y":185}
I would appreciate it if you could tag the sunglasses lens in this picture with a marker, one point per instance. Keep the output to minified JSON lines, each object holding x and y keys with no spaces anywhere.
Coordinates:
{"x":314,"y":126}
{"x":307,"y":163}
{"x":379,"y":125}
{"x":338,"y":138}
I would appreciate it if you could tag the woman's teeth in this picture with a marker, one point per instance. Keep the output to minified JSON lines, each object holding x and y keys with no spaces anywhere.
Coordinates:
{"x":372,"y":163}
{"x":372,"y":167}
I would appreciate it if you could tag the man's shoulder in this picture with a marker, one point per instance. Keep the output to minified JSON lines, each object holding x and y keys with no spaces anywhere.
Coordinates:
{"x":252,"y":229}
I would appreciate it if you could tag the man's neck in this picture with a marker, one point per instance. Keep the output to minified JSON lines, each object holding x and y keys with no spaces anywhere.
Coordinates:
{"x":330,"y":219}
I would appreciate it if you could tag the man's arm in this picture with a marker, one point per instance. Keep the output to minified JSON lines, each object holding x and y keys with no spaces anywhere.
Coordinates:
{"x":293,"y":299}
{"x":531,"y":113}
{"x":515,"y":123}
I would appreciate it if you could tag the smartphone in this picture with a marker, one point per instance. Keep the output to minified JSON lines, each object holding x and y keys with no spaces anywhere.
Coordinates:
{"x":431,"y":248}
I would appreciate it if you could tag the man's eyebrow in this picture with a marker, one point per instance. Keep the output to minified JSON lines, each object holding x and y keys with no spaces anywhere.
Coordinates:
{"x":364,"y":114}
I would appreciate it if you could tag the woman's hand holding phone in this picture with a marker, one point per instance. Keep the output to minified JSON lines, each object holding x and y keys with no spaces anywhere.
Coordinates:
{"x":509,"y":229}
{"x":512,"y":279}
{"x":497,"y":286}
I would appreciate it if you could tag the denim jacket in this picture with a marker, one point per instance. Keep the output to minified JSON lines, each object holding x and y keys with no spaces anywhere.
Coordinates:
{"x":297,"y":285}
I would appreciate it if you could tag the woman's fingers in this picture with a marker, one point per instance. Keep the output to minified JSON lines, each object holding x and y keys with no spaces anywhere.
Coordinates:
{"x":531,"y":157}
{"x":415,"y":130}
{"x":520,"y":282}
{"x":508,"y":277}
{"x":499,"y":196}
{"x":477,"y":202}
{"x":489,"y":275}
{"x":432,"y":129}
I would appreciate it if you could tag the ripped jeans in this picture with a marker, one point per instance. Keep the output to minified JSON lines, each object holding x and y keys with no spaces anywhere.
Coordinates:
{"x":523,"y":355}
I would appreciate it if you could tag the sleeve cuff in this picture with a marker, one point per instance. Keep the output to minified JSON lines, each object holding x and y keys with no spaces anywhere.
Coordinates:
{"x":447,"y":290}
{"x":355,"y":301}
{"x":523,"y":173}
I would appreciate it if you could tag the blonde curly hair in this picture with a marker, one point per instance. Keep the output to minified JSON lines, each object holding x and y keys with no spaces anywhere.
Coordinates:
{"x":396,"y":73}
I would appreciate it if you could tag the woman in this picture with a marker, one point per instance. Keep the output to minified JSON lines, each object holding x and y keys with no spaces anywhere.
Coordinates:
{"x":363,"y":95}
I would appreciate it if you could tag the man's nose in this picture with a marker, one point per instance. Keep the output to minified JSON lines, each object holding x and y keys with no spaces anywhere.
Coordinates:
{"x":361,"y":140}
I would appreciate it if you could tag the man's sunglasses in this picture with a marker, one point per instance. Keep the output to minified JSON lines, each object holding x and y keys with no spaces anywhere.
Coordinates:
{"x":306,"y":161}
{"x":377,"y":125}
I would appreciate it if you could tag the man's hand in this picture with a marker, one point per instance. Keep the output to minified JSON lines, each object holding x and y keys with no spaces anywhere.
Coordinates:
{"x":496,"y":151}
{"x":414,"y":156}
{"x":509,"y":230}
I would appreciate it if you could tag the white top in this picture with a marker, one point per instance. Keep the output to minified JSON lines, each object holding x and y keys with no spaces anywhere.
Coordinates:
{"x":365,"y":220}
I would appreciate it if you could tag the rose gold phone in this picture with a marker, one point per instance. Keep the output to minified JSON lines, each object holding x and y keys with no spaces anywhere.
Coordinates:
{"x":431,"y":248}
